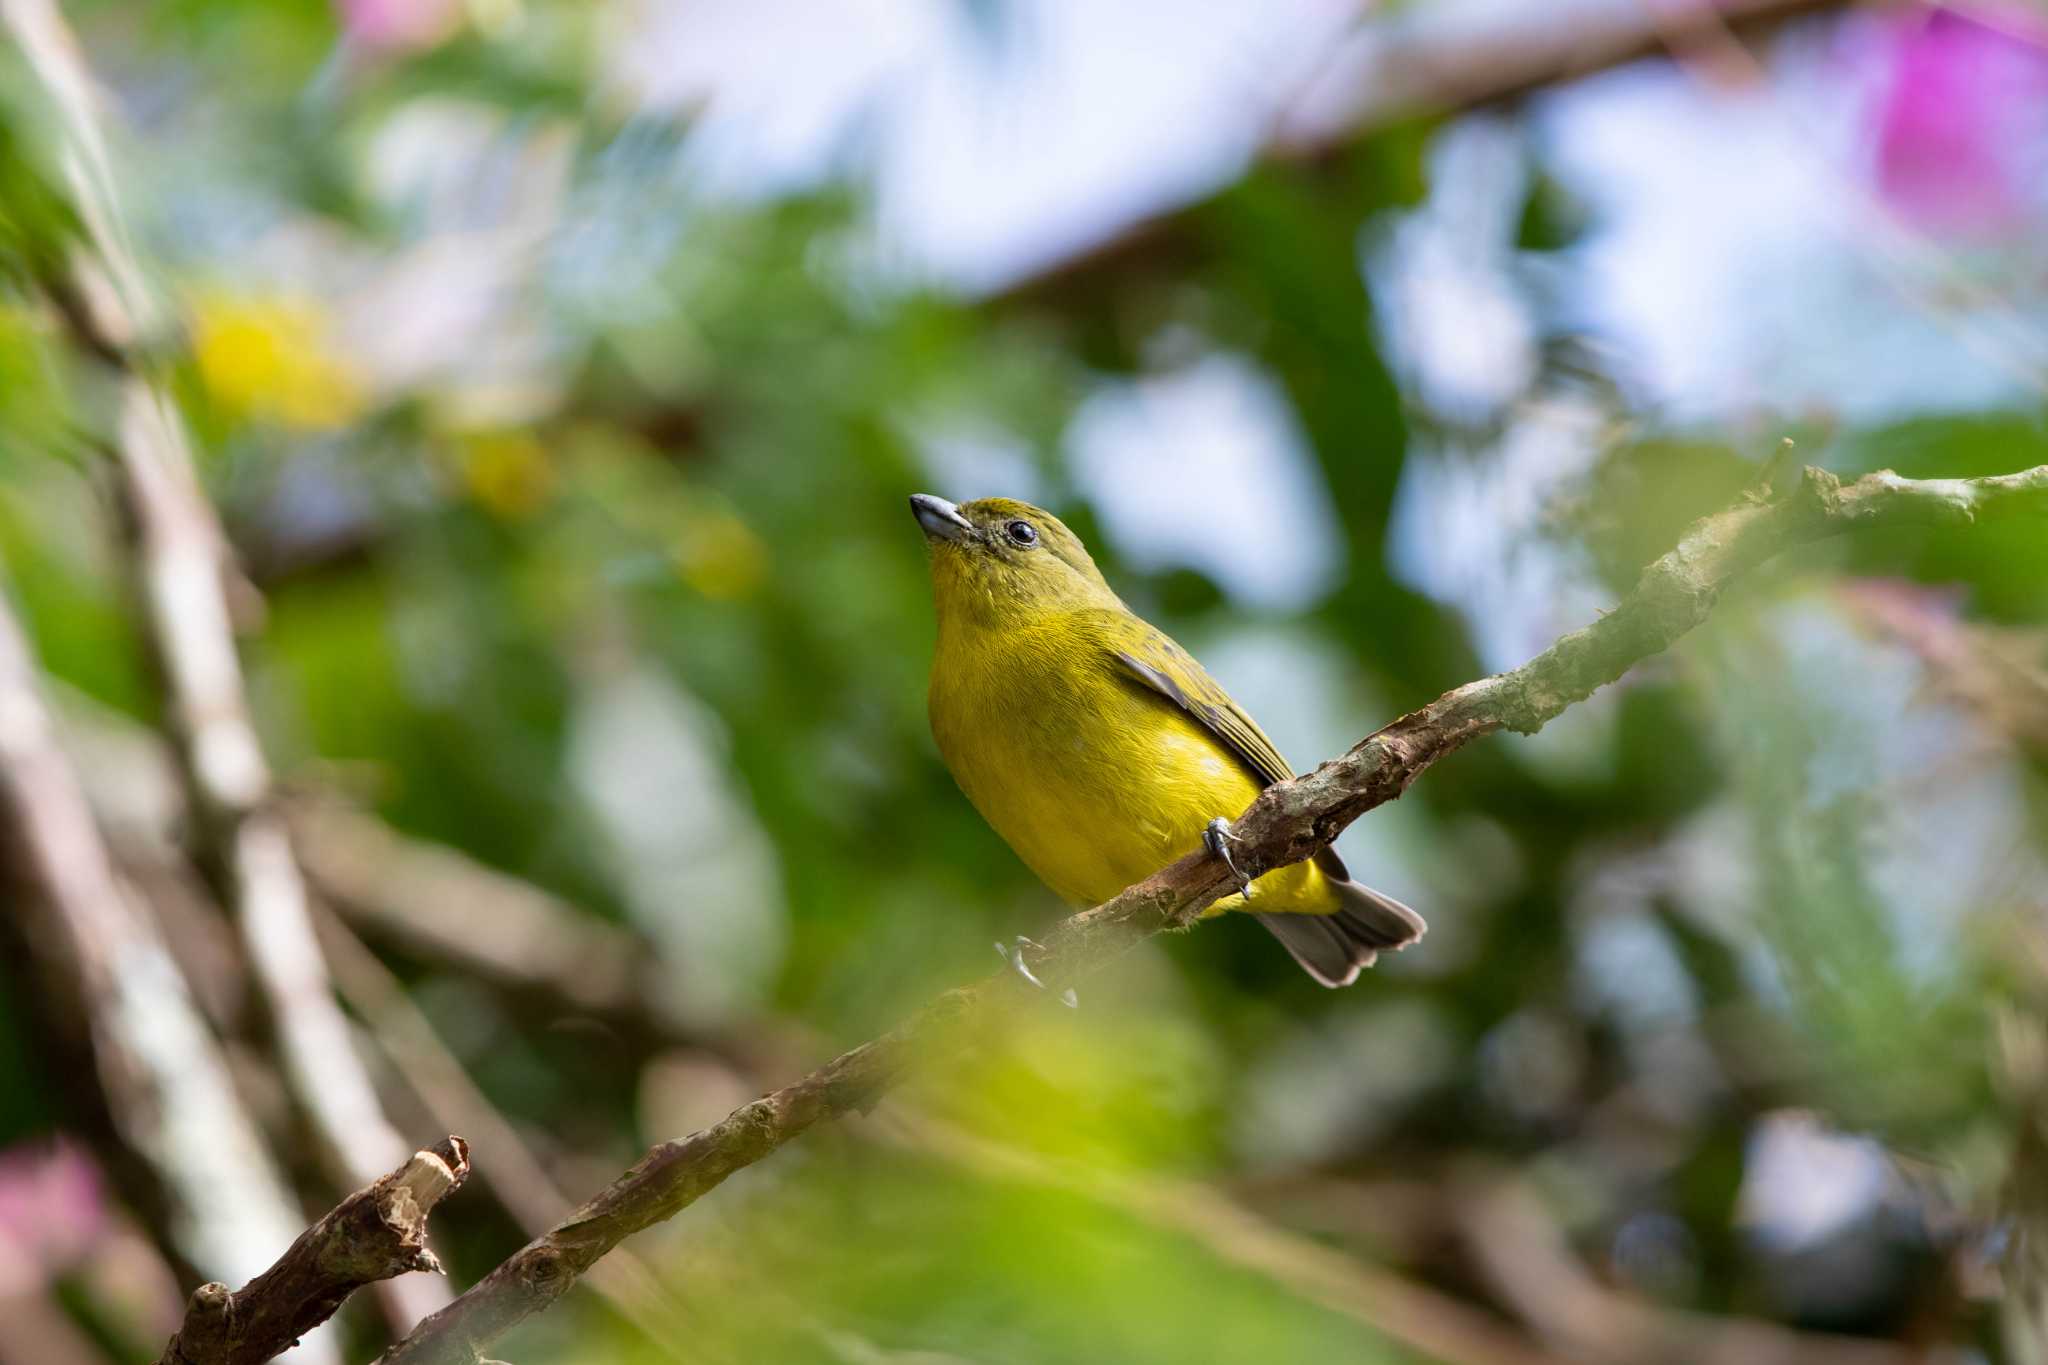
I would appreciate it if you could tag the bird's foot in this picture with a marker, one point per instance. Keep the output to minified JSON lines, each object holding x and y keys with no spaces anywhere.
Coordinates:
{"x":1217,"y":838}
{"x":1013,"y":953}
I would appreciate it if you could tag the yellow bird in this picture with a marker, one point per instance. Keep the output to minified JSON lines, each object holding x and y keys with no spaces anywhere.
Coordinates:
{"x":1098,"y":748}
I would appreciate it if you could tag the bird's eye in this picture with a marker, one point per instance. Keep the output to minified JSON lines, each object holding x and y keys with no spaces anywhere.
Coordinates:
{"x":1023,"y":532}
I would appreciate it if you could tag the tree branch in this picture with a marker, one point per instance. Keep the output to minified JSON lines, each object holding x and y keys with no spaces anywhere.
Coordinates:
{"x":165,"y":1083}
{"x":1287,"y":823}
{"x":181,"y":564}
{"x":1524,"y":1257}
{"x":444,"y":1087}
{"x":374,"y":1234}
{"x":178,"y":561}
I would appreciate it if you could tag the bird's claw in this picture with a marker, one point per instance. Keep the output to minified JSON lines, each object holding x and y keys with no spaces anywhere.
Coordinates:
{"x":1013,"y":953}
{"x":1217,"y":838}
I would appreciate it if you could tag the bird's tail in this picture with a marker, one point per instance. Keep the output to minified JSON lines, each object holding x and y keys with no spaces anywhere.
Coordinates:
{"x":1334,"y":948}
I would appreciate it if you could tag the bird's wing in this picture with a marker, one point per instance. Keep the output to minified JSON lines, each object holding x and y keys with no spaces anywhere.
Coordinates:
{"x":1172,"y":672}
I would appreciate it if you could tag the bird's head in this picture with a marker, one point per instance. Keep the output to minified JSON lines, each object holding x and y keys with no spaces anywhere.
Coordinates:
{"x":997,"y":561}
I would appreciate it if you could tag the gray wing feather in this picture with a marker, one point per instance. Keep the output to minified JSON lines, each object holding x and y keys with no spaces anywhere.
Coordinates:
{"x":1332,"y":948}
{"x":1226,"y":720}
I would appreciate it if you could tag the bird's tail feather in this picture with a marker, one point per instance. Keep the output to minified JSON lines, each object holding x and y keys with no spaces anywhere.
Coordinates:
{"x":1334,"y":948}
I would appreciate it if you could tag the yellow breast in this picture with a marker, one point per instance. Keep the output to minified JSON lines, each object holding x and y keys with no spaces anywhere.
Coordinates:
{"x":1095,"y":781}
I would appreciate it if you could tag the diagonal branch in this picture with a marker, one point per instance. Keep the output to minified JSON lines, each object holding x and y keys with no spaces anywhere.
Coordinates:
{"x":182,"y":563}
{"x":1289,"y":822}
{"x":429,"y":900}
{"x":246,"y":847}
{"x":376,"y":1233}
{"x":1409,"y":64}
{"x":165,"y":1083}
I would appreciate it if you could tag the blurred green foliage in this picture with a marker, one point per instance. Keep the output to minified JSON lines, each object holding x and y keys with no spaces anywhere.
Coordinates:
{"x":700,"y":512}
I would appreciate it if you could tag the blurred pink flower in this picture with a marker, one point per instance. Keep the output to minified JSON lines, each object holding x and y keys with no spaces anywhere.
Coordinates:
{"x":52,"y":1210}
{"x":399,"y":25}
{"x":1963,"y":117}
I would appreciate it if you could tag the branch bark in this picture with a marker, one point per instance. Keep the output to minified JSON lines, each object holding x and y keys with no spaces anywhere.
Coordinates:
{"x":1287,"y":823}
{"x":376,"y":1233}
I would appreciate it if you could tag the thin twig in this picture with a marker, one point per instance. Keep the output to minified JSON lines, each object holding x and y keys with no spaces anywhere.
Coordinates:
{"x":445,"y":1088}
{"x":373,"y":1235}
{"x":1289,"y":822}
{"x":433,"y":901}
{"x":438,"y":1079}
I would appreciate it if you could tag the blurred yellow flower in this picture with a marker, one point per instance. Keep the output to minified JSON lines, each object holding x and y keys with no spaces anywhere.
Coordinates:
{"x":268,"y":357}
{"x":508,"y":472}
{"x":719,"y":555}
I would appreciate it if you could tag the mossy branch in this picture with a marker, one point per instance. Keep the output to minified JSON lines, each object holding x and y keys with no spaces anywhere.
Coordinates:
{"x":1289,"y":822}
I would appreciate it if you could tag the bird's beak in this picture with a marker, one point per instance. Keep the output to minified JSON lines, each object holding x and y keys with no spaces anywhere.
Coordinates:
{"x":941,"y":519}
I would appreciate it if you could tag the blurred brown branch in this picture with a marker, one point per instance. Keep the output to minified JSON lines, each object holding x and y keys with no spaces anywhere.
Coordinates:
{"x":430,"y":900}
{"x":183,"y":569}
{"x":515,"y":1174}
{"x":160,"y":1072}
{"x":1523,"y":1257}
{"x":441,"y":1083}
{"x":246,"y":843}
{"x":1500,"y":1229}
{"x":376,"y":1233}
{"x":1404,"y":68}
{"x":1289,"y":822}
{"x":412,"y":896}
{"x":1998,"y":674}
